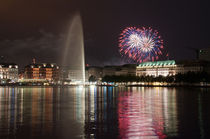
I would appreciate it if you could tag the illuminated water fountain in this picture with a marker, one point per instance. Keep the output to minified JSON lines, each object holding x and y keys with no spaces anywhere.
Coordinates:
{"x":73,"y":56}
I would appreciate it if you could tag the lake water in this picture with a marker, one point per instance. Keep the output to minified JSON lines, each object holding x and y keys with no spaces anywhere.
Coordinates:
{"x":104,"y":112}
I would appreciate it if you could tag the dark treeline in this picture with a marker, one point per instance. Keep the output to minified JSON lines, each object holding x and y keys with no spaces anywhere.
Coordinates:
{"x":189,"y":77}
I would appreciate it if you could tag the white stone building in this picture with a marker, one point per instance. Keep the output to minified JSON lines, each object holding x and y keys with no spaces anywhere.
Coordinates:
{"x":8,"y":73}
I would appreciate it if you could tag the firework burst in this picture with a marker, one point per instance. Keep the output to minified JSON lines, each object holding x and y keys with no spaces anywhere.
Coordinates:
{"x":141,"y":44}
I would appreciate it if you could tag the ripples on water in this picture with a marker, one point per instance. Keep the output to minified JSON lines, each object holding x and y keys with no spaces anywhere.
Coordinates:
{"x":104,"y":112}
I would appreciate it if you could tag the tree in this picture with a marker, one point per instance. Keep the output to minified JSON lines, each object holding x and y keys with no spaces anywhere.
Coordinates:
{"x":92,"y":78}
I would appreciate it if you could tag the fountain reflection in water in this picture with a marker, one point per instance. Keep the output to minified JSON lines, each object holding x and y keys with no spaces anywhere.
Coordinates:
{"x":73,"y":55}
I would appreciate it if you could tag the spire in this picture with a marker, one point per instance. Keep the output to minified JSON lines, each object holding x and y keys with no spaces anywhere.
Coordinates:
{"x":34,"y":61}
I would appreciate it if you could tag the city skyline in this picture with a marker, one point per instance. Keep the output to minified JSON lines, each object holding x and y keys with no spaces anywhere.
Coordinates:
{"x":104,"y":69}
{"x":37,"y":29}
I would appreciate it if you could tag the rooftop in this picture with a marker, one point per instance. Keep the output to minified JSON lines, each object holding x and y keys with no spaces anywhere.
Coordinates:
{"x":157,"y":63}
{"x":43,"y":65}
{"x":8,"y":65}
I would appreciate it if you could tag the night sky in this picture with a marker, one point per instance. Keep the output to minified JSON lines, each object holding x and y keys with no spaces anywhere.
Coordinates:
{"x":37,"y":28}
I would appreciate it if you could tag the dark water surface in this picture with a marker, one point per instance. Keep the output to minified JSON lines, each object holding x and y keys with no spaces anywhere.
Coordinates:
{"x":104,"y":112}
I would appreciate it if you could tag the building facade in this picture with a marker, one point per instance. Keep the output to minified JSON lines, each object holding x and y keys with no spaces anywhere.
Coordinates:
{"x":8,"y":73}
{"x":46,"y":72}
{"x":170,"y":68}
{"x":158,"y":68}
{"x":69,"y":75}
{"x":124,"y":70}
{"x":99,"y":72}
{"x":95,"y":72}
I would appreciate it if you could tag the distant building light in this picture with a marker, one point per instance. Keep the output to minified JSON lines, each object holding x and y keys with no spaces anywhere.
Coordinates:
{"x":10,"y":66}
{"x":16,"y":66}
{"x":44,"y":65}
{"x":32,"y":66}
{"x":52,"y":65}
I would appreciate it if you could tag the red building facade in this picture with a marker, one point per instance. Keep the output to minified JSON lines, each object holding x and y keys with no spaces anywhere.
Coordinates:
{"x":42,"y":72}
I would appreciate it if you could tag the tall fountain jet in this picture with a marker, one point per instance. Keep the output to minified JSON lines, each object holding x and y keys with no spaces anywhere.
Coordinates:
{"x":73,"y":56}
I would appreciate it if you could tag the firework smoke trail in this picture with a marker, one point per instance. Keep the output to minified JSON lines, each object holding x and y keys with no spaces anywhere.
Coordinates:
{"x":140,"y":44}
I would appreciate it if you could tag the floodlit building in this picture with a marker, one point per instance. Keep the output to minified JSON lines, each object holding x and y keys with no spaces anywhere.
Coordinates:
{"x":157,"y":68}
{"x":8,"y":73}
{"x":46,"y":72}
{"x":170,"y":67}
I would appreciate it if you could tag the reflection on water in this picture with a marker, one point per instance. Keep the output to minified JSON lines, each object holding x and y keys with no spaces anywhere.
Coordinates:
{"x":104,"y":112}
{"x":101,"y":113}
{"x":145,"y":112}
{"x":27,"y":109}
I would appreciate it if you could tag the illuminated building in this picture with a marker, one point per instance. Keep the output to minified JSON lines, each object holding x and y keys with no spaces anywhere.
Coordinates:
{"x":8,"y":72}
{"x":158,"y":68}
{"x":170,"y":67}
{"x":46,"y":72}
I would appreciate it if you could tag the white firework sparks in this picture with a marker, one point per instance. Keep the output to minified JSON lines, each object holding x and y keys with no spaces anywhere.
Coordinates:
{"x":144,"y":43}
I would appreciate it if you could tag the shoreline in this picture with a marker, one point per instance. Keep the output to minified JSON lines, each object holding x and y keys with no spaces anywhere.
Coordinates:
{"x":201,"y":85}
